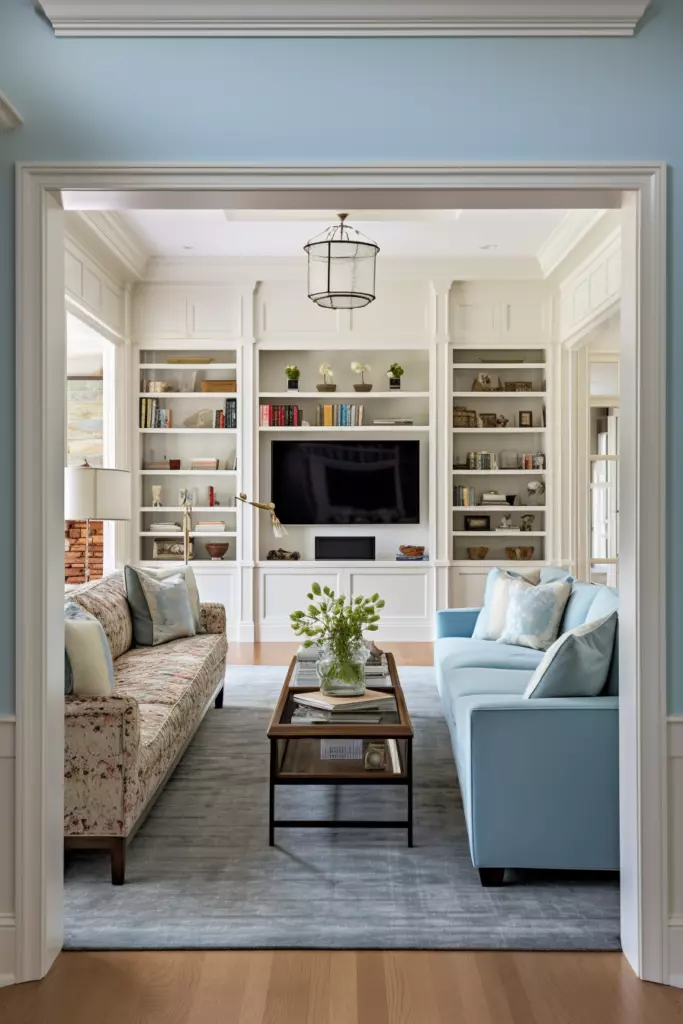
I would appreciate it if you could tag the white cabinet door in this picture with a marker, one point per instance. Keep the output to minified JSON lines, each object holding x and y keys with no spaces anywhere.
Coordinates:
{"x":161,"y":313}
{"x":214,"y":313}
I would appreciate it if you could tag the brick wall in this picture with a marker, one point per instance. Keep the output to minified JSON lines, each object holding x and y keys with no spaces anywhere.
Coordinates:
{"x":74,"y":551}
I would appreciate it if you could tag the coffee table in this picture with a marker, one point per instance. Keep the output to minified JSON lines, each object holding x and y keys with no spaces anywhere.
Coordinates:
{"x":295,"y":753}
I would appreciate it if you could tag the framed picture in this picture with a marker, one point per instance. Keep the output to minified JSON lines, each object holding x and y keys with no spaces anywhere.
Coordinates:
{"x":477,"y":523}
{"x":488,"y":419}
{"x":168,"y":550}
{"x":85,"y":419}
{"x":526,"y":419}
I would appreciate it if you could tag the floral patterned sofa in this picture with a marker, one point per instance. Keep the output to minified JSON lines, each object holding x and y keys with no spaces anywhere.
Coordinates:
{"x":120,"y":750}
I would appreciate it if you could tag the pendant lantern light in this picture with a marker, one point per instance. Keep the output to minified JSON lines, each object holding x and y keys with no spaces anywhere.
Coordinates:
{"x":341,"y":267}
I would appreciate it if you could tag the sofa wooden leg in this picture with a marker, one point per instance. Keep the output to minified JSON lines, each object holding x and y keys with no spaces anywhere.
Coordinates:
{"x":118,"y":861}
{"x":491,"y":876}
{"x":218,"y":703}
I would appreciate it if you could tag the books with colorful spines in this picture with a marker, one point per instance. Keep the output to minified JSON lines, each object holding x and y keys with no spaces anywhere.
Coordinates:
{"x":327,"y":416}
{"x":317,"y":699}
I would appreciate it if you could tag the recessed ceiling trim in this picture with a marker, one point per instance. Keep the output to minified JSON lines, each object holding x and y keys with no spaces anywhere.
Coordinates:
{"x":9,"y":117}
{"x":344,"y":17}
{"x":565,"y":237}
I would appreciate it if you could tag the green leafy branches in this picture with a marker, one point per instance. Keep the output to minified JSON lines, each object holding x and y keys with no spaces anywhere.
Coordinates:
{"x":336,"y":621}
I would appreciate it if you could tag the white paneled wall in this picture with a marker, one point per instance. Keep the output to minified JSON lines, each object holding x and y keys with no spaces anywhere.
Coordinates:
{"x":7,"y":787}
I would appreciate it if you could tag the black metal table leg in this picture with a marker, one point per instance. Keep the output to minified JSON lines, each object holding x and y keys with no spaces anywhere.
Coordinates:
{"x":271,"y":800}
{"x":409,"y":766}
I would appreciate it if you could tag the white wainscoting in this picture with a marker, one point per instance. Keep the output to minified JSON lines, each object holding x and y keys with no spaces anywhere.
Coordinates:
{"x":592,"y":292}
{"x":675,"y":830}
{"x":408,"y":592}
{"x":220,"y":583}
{"x":7,"y":833}
{"x":92,"y":288}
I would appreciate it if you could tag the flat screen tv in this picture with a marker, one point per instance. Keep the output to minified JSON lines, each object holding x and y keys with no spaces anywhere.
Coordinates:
{"x":346,"y":482}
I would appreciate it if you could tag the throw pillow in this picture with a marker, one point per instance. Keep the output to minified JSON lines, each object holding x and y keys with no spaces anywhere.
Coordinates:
{"x":160,"y":606}
{"x":132,"y":588}
{"x":577,"y":664}
{"x":68,"y":676}
{"x":88,"y":654}
{"x":491,"y":621}
{"x":534,"y":613}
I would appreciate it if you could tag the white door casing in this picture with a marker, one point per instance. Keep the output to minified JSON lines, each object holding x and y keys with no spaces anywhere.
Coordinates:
{"x":39,"y":490}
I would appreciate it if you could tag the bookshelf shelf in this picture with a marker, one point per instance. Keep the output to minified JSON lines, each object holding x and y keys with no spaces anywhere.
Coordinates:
{"x":499,"y":533}
{"x":327,"y":397}
{"x":178,"y":533}
{"x":499,"y":472}
{"x":474,"y":396}
{"x":188,"y":394}
{"x":188,"y":430}
{"x":371,"y":428}
{"x":219,"y":509}
{"x":499,"y":508}
{"x":188,"y":472}
{"x":195,"y":367}
{"x":499,"y":366}
{"x":500,"y":430}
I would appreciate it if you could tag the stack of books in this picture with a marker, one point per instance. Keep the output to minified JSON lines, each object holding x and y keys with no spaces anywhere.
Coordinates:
{"x":226,"y":417}
{"x":205,"y":527}
{"x":204,"y":464}
{"x":394,"y":421}
{"x":165,"y":527}
{"x":217,"y":387}
{"x":281,"y":416}
{"x":339,"y":415}
{"x":316,"y":708}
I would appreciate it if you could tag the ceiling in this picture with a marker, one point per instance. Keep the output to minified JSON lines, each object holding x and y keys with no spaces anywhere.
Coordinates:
{"x":440,"y":234}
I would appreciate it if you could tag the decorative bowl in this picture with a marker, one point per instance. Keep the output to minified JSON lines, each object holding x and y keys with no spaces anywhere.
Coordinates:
{"x":412,"y":550}
{"x":217,"y":551}
{"x":521,"y":554}
{"x":477,"y":553}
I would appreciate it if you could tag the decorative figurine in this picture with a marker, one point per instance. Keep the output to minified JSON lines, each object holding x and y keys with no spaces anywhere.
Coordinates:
{"x":535,"y":490}
{"x":506,"y":522}
{"x":502,"y":421}
{"x":156,"y":496}
{"x":527,"y":522}
{"x":282,"y":555}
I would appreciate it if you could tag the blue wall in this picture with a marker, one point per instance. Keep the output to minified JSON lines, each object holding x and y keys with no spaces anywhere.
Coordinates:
{"x":289,"y":100}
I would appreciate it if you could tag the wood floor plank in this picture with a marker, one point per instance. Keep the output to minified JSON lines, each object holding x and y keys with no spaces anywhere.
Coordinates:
{"x":281,"y":653}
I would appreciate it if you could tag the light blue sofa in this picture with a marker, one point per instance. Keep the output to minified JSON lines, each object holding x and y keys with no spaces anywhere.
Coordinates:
{"x":539,"y":778}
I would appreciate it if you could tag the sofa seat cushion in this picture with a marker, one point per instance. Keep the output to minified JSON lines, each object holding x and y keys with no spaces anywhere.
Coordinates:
{"x":162,"y":675}
{"x":452,"y":653}
{"x":478,"y":682}
{"x":106,"y":600}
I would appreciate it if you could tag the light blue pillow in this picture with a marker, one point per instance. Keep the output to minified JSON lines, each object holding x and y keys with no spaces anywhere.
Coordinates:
{"x":160,"y":607}
{"x":491,"y":619}
{"x":577,"y":664}
{"x":550,"y":573}
{"x":534,"y":613}
{"x":87,"y":653}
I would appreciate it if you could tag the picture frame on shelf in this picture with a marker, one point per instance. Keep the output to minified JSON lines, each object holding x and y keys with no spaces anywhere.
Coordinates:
{"x":488,"y":420}
{"x":477,"y":523}
{"x":167,"y":550}
{"x":526,"y":418}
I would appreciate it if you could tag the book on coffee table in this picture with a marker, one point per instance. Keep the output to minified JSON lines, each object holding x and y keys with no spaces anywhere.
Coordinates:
{"x":317,"y":699}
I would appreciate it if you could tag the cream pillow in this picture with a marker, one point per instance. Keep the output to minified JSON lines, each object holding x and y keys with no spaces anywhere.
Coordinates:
{"x":491,"y":621}
{"x":87,"y":650}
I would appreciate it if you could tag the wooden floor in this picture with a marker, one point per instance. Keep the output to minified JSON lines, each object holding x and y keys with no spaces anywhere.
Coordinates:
{"x":340,"y":988}
{"x":303,"y":987}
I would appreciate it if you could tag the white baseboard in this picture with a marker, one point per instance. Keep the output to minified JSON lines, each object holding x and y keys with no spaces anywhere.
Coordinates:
{"x":675,"y":966}
{"x":246,"y":633}
{"x":7,"y":949}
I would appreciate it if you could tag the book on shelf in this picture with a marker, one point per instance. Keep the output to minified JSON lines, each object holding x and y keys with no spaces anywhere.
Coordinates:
{"x":205,"y":464}
{"x":165,"y":528}
{"x":369,"y":699}
{"x":466,"y":496}
{"x":152,"y":415}
{"x":281,"y":416}
{"x":309,"y":716}
{"x":394,"y":421}
{"x":205,"y":527}
{"x":218,"y":387}
{"x":411,"y":558}
{"x":339,"y":415}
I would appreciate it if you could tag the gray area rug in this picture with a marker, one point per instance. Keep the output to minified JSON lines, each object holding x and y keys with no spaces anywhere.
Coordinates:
{"x":200,"y":872}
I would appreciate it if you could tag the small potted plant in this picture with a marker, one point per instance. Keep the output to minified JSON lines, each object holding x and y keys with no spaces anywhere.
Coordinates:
{"x":394,"y":373}
{"x":292,"y":373}
{"x":326,"y":372}
{"x":361,"y":369}
{"x":337,"y":625}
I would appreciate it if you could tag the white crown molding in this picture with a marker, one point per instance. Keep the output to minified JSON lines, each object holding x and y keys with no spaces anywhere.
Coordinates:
{"x":565,"y":237}
{"x":9,"y":116}
{"x":119,"y":239}
{"x":344,"y":17}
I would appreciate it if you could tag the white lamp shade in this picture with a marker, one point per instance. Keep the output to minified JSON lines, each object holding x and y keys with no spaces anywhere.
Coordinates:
{"x":92,"y":493}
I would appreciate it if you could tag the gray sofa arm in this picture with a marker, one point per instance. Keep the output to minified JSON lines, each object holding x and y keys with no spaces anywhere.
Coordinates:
{"x":213,"y":617}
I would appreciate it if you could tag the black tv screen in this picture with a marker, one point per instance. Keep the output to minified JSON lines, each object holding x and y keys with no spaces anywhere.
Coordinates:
{"x":346,"y":482}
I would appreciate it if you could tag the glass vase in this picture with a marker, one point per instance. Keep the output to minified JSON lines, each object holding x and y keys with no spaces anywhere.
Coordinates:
{"x":342,"y":676}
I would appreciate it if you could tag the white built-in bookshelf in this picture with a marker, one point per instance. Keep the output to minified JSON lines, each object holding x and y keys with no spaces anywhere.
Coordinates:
{"x":192,"y":424}
{"x":501,"y":425}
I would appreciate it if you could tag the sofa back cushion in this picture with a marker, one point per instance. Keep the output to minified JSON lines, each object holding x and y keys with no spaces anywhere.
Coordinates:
{"x":589,"y":602}
{"x":578,"y":605}
{"x":106,"y":600}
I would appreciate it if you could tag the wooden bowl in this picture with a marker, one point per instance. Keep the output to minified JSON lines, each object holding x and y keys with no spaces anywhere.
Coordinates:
{"x":217,"y":551}
{"x":477,"y":553}
{"x":522,"y":554}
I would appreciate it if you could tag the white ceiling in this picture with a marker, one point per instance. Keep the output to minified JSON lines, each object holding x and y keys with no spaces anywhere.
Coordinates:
{"x":81,"y":339}
{"x":400,"y":233}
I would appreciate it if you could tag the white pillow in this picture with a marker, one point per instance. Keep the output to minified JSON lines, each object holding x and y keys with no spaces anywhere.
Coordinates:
{"x":577,"y":664}
{"x":534,"y":613}
{"x":491,"y":620}
{"x":87,"y":649}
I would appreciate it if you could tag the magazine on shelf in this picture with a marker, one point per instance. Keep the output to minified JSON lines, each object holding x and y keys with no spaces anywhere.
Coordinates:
{"x":367,"y":700}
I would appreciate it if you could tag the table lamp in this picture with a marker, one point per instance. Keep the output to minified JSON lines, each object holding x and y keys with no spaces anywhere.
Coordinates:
{"x":94,"y":493}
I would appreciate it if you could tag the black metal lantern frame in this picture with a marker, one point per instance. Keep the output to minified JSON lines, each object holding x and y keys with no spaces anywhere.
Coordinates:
{"x":341,"y":267}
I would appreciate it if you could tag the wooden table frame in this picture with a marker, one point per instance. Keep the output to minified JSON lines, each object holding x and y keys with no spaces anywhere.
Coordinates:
{"x":401,"y":730}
